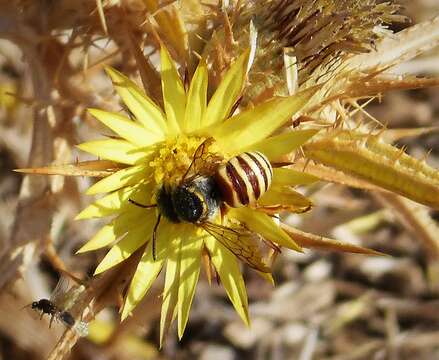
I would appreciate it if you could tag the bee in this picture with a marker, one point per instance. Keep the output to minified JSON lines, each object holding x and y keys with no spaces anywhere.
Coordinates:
{"x":208,"y":184}
{"x":59,"y":304}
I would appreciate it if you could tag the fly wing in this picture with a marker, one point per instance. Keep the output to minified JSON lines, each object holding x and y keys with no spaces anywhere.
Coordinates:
{"x":60,"y":292}
{"x":240,"y":242}
{"x":66,"y":293}
{"x":72,"y":296}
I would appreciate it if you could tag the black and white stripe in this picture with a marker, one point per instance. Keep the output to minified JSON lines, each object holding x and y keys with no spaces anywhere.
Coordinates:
{"x":244,"y":178}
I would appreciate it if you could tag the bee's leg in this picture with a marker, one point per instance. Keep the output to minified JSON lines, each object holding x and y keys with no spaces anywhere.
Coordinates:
{"x":141,"y":205}
{"x":41,"y":316}
{"x":154,"y":236}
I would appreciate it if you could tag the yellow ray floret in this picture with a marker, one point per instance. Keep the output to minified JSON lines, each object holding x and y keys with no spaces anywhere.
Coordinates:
{"x":120,"y":151}
{"x":196,"y":99}
{"x":275,"y":146}
{"x":174,"y":96}
{"x":227,"y":93}
{"x":118,"y":228}
{"x":126,"y":128}
{"x":230,"y":275}
{"x":264,"y":225}
{"x":146,"y":273}
{"x":189,"y":272}
{"x":134,"y":239}
{"x":252,"y":126}
{"x":143,"y":108}
{"x":290,"y":177}
{"x":122,"y":178}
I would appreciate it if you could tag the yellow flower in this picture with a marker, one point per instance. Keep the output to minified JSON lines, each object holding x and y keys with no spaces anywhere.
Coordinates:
{"x":157,"y":149}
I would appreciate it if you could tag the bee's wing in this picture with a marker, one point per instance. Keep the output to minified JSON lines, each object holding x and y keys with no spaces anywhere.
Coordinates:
{"x":240,"y":242}
{"x":203,"y":162}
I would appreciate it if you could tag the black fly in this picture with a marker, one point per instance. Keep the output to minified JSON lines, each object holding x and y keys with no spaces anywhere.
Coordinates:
{"x":59,"y":304}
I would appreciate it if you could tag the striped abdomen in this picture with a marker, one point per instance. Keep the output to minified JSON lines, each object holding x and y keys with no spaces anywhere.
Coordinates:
{"x":244,"y":178}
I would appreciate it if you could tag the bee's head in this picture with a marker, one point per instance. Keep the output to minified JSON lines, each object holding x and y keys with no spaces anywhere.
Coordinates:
{"x":35,"y":305}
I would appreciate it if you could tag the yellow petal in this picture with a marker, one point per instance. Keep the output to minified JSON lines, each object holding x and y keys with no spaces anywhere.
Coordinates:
{"x":127,"y":128}
{"x":143,"y":108}
{"x":189,"y":272}
{"x":134,"y":239}
{"x":125,"y":177}
{"x":281,"y":195}
{"x":252,"y":126}
{"x":146,"y":272}
{"x":278,"y":145}
{"x":227,"y":93}
{"x":196,"y":99}
{"x":170,"y":291}
{"x":263,"y":225}
{"x":290,"y":177}
{"x":118,"y":227}
{"x":228,"y":269}
{"x":104,"y":237}
{"x":116,"y":201}
{"x":174,"y":97}
{"x":120,"y":151}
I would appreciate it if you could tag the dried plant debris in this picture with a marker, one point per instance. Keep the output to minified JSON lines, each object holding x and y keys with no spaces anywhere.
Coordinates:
{"x":325,"y":240}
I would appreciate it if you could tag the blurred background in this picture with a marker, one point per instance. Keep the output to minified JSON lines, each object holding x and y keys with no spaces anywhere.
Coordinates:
{"x":324,"y":306}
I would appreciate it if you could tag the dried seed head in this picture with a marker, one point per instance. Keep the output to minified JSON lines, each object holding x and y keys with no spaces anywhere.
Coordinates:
{"x":319,"y":34}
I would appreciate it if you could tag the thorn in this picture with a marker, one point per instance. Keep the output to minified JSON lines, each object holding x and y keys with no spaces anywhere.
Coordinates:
{"x":399,"y":154}
{"x":426,"y":155}
{"x":100,"y":9}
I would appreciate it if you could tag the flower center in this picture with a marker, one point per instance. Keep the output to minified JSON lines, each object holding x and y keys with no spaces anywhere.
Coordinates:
{"x":173,"y":159}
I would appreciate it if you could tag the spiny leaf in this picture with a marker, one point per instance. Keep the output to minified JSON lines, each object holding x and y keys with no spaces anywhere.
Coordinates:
{"x":361,"y":85}
{"x":381,"y":164}
{"x":399,"y":47}
{"x":332,"y":175}
{"x":308,"y":240}
{"x":95,"y":168}
{"x":393,"y":135}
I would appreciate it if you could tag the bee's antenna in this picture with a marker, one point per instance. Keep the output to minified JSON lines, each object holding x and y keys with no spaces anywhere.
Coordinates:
{"x":141,"y":205}
{"x":154,"y":236}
